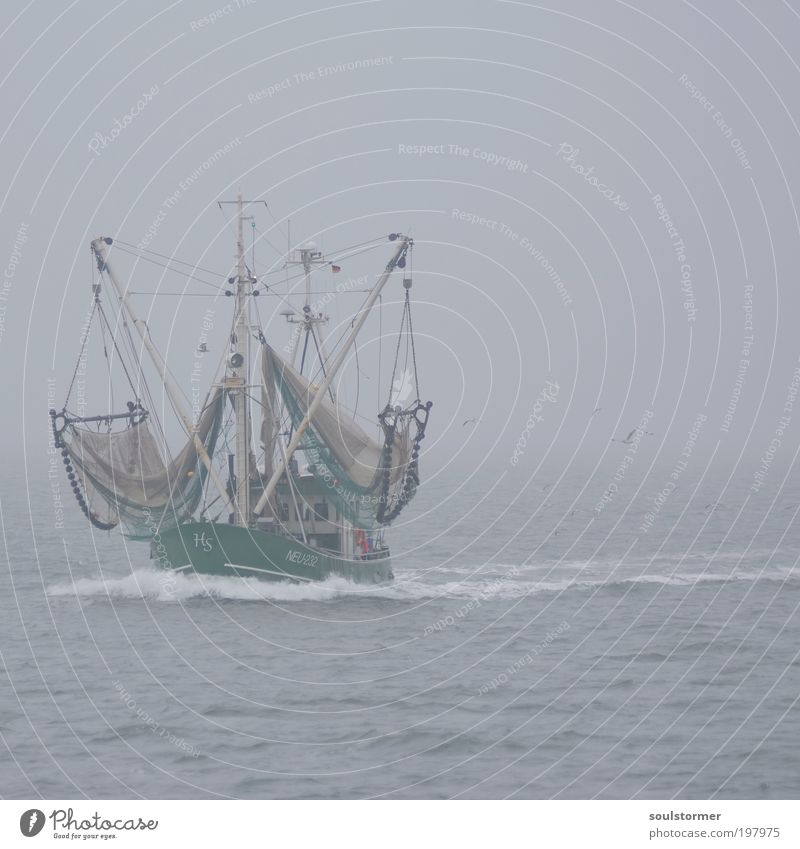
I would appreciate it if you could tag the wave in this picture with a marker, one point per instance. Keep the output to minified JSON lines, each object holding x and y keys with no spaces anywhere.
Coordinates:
{"x":148,"y":584}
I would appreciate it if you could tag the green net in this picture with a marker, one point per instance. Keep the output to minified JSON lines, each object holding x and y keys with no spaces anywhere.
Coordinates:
{"x":348,"y":465}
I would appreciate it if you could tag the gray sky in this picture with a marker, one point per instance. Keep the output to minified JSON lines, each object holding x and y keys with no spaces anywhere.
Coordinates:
{"x":541,"y":253}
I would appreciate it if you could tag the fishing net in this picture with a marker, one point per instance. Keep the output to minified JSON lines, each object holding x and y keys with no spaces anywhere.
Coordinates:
{"x":126,"y":479}
{"x":350,"y":464}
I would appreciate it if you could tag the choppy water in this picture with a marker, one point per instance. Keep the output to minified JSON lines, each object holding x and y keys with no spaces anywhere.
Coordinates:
{"x":525,"y":650}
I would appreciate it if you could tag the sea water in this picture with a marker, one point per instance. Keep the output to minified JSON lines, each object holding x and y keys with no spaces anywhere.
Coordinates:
{"x":531,"y":646}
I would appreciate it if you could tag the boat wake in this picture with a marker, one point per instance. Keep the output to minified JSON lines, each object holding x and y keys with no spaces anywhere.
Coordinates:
{"x":146,"y":584}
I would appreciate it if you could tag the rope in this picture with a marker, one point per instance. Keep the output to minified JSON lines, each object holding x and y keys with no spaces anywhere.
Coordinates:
{"x":185,"y":274}
{"x":83,"y":346}
{"x":105,"y":321}
{"x":396,"y":356}
{"x":169,"y":258}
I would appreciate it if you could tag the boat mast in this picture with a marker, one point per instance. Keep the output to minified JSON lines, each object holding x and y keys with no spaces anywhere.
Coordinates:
{"x":405,"y":244}
{"x":310,"y":324}
{"x":174,"y":395}
{"x":238,"y":383}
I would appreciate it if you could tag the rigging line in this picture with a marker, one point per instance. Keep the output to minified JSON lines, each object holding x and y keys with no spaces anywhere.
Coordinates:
{"x":175,"y":379}
{"x":396,"y":357}
{"x":358,"y":380}
{"x":256,"y":401}
{"x":185,"y":274}
{"x":170,"y":258}
{"x":121,"y":320}
{"x":378,"y":240}
{"x":131,"y":348}
{"x":322,"y":363}
{"x":105,"y":322}
{"x":104,"y":318}
{"x":303,"y":358}
{"x":346,"y":330}
{"x":177,"y":294}
{"x":142,"y":383}
{"x":136,"y":357}
{"x":373,"y":243}
{"x":339,"y":341}
{"x":127,"y":339}
{"x":300,"y":275}
{"x":266,"y":239}
{"x":277,"y":223}
{"x":108,"y":367}
{"x":271,"y":292}
{"x":373,"y":422}
{"x":413,"y":348}
{"x":170,"y":263}
{"x":228,"y":222}
{"x":275,"y":294}
{"x":410,"y":325}
{"x":282,"y":269}
{"x":405,"y":361}
{"x":338,"y":256}
{"x":82,"y":348}
{"x":283,"y":298}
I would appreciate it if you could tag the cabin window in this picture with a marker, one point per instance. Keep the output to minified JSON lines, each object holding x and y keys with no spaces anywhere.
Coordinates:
{"x":284,"y":510}
{"x":321,"y":509}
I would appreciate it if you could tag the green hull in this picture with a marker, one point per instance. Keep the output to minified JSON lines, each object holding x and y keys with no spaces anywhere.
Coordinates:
{"x":212,"y":548}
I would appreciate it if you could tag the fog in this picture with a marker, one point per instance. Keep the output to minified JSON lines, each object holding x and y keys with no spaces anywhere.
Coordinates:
{"x":601,"y":197}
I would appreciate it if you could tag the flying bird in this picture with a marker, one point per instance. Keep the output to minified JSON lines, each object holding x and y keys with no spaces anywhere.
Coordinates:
{"x":629,"y":438}
{"x":470,"y":421}
{"x":596,"y":412}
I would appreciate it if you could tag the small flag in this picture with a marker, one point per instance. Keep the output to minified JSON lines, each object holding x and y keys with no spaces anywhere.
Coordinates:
{"x":336,"y":268}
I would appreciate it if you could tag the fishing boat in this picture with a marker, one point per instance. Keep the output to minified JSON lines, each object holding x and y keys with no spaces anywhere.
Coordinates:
{"x":312,"y":497}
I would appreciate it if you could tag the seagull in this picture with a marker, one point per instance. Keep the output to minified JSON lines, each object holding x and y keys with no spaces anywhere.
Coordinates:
{"x":629,"y":438}
{"x":470,"y":421}
{"x":596,"y":412}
